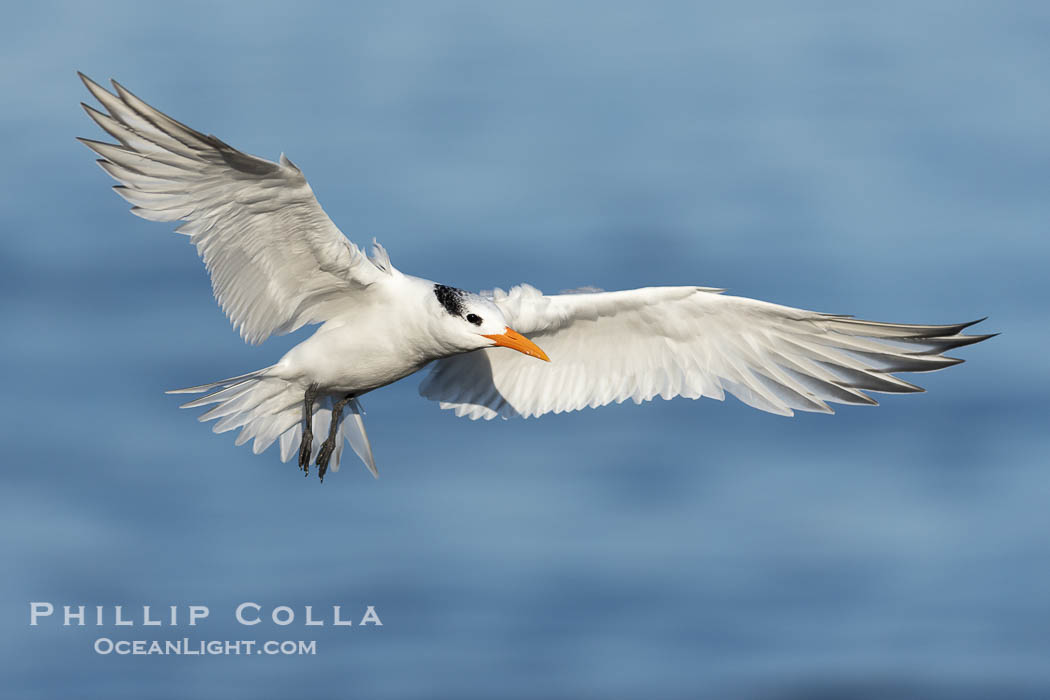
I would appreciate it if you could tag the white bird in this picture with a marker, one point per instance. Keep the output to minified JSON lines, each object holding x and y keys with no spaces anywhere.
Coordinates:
{"x":277,"y":263}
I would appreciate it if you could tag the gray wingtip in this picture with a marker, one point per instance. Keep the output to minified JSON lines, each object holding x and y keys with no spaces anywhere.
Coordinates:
{"x":286,"y":162}
{"x":90,"y":84}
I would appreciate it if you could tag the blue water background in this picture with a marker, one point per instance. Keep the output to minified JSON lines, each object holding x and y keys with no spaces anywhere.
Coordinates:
{"x":891,"y":162}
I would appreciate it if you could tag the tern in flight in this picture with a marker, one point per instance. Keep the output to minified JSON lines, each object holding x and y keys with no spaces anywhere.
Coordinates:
{"x":277,"y":263}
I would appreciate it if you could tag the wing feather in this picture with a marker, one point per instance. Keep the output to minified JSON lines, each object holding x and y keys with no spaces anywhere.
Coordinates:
{"x":277,"y":262}
{"x":638,"y":344}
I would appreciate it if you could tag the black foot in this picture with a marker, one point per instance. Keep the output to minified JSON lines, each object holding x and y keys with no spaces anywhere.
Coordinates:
{"x":305,"y":448}
{"x":306,"y":445}
{"x":328,"y":446}
{"x":325,"y":454}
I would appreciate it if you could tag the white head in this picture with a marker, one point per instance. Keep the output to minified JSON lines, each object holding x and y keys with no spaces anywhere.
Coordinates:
{"x":471,"y":322}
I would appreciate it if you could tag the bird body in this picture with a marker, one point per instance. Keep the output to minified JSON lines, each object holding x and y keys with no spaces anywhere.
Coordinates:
{"x":391,"y":330}
{"x":277,"y":263}
{"x":346,"y":354}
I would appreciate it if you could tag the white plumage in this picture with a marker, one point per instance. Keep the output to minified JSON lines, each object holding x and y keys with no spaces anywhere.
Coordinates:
{"x":277,"y":262}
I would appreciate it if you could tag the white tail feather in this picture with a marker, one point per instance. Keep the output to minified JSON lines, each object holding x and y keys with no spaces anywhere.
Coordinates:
{"x":269,"y":409}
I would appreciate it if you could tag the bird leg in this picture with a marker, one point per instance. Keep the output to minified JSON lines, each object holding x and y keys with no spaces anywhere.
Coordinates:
{"x":328,"y":446}
{"x":308,"y":434}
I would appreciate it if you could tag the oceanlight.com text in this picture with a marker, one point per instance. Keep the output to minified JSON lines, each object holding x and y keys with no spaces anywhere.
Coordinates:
{"x":203,"y":647}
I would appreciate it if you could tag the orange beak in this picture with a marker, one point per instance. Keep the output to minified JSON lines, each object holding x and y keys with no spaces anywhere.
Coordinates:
{"x":516,"y":341}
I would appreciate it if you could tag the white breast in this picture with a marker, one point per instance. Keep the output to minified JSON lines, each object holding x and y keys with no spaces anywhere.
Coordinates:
{"x":367,"y":345}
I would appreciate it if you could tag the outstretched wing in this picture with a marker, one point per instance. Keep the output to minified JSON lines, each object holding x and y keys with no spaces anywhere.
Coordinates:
{"x":684,"y":341}
{"x":277,"y":262}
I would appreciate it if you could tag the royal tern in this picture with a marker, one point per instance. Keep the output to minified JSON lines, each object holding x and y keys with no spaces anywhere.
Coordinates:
{"x":277,"y":263}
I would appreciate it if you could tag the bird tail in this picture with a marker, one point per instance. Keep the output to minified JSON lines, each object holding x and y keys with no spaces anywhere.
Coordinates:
{"x":268,"y":408}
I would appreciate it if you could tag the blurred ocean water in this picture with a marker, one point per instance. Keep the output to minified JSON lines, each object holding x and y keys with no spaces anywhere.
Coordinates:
{"x":890,"y":162}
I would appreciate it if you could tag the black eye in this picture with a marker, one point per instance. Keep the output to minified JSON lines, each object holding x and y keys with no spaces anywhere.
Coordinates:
{"x":474,"y":318}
